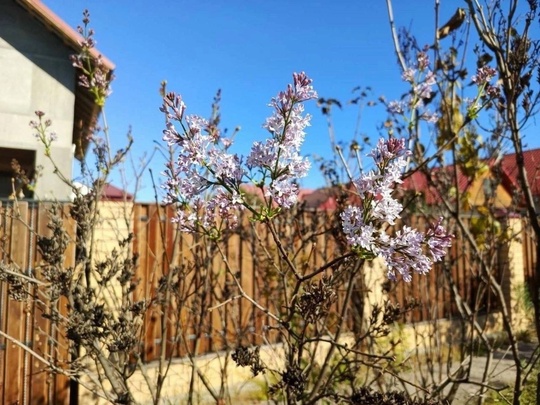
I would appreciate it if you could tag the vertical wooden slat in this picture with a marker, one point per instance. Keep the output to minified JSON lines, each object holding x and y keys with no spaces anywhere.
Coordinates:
{"x":4,"y":235}
{"x":153,"y":272}
{"x":61,"y":394}
{"x":247,"y":281}
{"x":40,"y":381}
{"x":15,"y":314}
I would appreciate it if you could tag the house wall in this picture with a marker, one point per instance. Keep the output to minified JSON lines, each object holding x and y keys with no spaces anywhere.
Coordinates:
{"x":501,"y":197}
{"x":36,"y":74}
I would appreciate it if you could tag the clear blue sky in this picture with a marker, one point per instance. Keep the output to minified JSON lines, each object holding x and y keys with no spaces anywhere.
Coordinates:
{"x":248,"y":49}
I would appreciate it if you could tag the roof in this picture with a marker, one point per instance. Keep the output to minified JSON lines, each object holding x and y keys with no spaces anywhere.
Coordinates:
{"x":112,"y":193}
{"x":86,"y":110}
{"x":531,"y":160}
{"x":320,"y":199}
{"x":508,"y":174}
{"x":324,"y":198}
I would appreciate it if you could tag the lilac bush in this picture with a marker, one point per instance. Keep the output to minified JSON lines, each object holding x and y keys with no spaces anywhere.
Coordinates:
{"x":205,"y":180}
{"x":208,"y":184}
{"x":364,"y":224}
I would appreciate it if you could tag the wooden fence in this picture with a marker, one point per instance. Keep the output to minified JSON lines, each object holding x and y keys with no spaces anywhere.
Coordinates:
{"x":240,"y":322}
{"x":205,"y":299}
{"x":460,"y":273}
{"x":205,"y":283}
{"x":24,"y":379}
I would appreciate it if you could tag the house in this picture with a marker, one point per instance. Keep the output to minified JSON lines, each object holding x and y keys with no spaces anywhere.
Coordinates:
{"x":499,"y":183}
{"x":37,"y":75}
{"x":531,"y":162}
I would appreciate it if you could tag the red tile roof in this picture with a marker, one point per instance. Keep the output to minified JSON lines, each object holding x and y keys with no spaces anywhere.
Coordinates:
{"x":112,"y":193}
{"x":324,"y":199}
{"x":509,"y":177}
{"x":532,"y":166}
{"x":418,"y":181}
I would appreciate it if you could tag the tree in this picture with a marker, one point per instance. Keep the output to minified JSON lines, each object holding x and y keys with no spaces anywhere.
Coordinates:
{"x":500,"y":33}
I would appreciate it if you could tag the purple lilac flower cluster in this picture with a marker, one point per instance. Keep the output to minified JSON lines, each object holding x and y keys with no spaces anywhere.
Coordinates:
{"x":94,"y":76}
{"x":482,"y":79}
{"x":422,"y":80}
{"x":41,"y":127}
{"x":484,"y":75}
{"x":205,"y":180}
{"x":364,"y":224}
{"x":278,"y":158}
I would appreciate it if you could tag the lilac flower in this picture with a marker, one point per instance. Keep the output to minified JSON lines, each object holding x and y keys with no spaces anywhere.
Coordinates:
{"x":356,"y":231}
{"x":94,"y":75}
{"x":396,"y":107}
{"x":409,"y":75}
{"x":171,"y":135}
{"x":409,"y":250}
{"x":424,"y":89}
{"x":438,"y":240}
{"x":41,"y":127}
{"x":262,"y":155}
{"x":279,"y":157}
{"x":484,"y":75}
{"x":493,"y":91}
{"x":173,"y":107}
{"x":482,"y":79}
{"x":365,"y":184}
{"x":422,"y":80}
{"x":303,"y":88}
{"x":186,"y":221}
{"x":205,"y":179}
{"x":388,"y":150}
{"x":385,"y":208}
{"x":422,"y":59}
{"x":283,"y":192}
{"x":429,"y":116}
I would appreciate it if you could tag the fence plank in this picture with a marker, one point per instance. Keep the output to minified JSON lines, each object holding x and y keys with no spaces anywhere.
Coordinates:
{"x":16,"y":317}
{"x":41,"y":384}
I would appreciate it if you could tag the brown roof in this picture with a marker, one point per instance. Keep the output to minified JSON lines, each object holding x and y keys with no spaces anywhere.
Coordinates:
{"x":320,"y":199}
{"x":86,"y":110}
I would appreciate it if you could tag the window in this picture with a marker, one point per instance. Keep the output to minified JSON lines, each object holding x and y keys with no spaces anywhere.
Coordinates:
{"x":17,"y":169}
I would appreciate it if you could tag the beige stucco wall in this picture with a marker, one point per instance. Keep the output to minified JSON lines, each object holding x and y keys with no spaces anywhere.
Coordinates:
{"x":36,"y":74}
{"x":115,"y":223}
{"x":514,"y":282}
{"x":501,"y":198}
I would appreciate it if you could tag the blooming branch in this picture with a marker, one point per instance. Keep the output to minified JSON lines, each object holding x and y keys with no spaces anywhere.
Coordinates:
{"x":206,"y":179}
{"x":94,"y":76}
{"x":364,"y":225}
{"x":42,"y":135}
{"x":482,"y":79}
{"x":422,"y":80}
